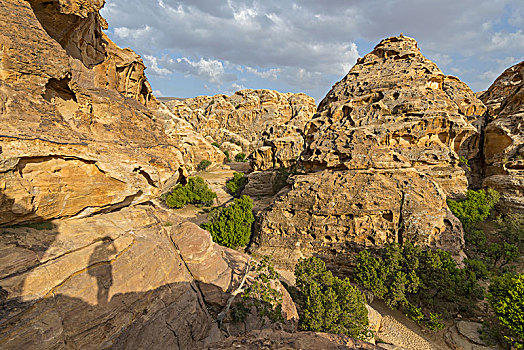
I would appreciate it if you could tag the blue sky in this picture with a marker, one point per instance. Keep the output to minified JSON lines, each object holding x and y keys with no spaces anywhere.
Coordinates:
{"x":206,"y":47}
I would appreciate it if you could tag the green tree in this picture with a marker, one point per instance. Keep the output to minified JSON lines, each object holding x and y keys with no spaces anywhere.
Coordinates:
{"x":262,"y":294}
{"x":421,"y":283}
{"x":236,"y":184}
{"x":476,"y":207}
{"x":240,"y":157}
{"x":195,"y":192}
{"x":506,"y":297}
{"x":328,"y":303}
{"x":203,"y":165}
{"x":231,"y":226}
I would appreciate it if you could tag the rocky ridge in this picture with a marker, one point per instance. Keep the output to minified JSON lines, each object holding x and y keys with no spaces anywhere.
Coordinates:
{"x":266,"y":122}
{"x":504,"y":138}
{"x":87,"y":260}
{"x":382,"y":155}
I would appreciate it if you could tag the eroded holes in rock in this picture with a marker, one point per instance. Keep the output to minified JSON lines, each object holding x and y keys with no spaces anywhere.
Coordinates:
{"x":81,"y":38}
{"x":443,"y":137}
{"x":388,"y":216}
{"x":58,"y":88}
{"x":396,"y":95}
{"x":371,"y":240}
{"x":377,"y":97}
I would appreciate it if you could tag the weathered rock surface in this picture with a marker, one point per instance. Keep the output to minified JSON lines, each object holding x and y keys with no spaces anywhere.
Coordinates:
{"x":382,"y":155}
{"x":271,"y":339}
{"x":465,"y":336}
{"x":136,"y":278}
{"x":504,"y":138}
{"x":70,"y":144}
{"x":111,"y":280}
{"x":252,"y":119}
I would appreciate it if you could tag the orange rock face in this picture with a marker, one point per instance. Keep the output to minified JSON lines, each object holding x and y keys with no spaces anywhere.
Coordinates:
{"x":382,"y":154}
{"x":504,"y":138}
{"x":76,"y":135}
{"x":268,"y":123}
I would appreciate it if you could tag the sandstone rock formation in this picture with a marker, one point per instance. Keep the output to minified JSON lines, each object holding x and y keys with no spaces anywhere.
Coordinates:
{"x":504,"y":138}
{"x":252,"y":119}
{"x":69,"y":146}
{"x":86,"y":261}
{"x":135,"y":278}
{"x":382,"y":155}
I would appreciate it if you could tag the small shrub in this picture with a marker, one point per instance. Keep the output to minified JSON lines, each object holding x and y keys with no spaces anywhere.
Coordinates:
{"x":475,"y":208}
{"x":203,"y":165}
{"x":328,"y":303}
{"x":228,"y":158}
{"x":262,"y":294}
{"x":506,"y":297}
{"x":195,"y":192}
{"x":464,"y":161}
{"x":236,"y":142}
{"x":231,"y":226}
{"x":236,"y":184}
{"x":240,"y":157}
{"x":215,"y":144}
{"x":239,"y":313}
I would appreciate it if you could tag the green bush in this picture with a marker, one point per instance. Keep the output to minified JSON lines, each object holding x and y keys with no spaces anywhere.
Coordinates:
{"x":236,"y":184}
{"x":228,"y":158}
{"x":215,"y":144}
{"x":239,"y":313}
{"x":203,"y":165}
{"x":475,"y":208}
{"x":328,"y":303}
{"x":421,"y":283}
{"x":240,"y":157}
{"x":195,"y":192}
{"x":262,"y":294}
{"x":231,"y":226}
{"x":506,"y":297}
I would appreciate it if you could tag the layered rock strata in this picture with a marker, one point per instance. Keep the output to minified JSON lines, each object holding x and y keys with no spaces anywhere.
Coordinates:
{"x":382,"y":156}
{"x":252,"y":119}
{"x":86,"y":261}
{"x":69,"y":147}
{"x":504,"y":138}
{"x":136,"y":278}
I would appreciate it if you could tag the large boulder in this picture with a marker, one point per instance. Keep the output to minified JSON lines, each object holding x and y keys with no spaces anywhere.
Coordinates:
{"x":382,"y":156}
{"x":504,"y":138}
{"x":113,"y":280}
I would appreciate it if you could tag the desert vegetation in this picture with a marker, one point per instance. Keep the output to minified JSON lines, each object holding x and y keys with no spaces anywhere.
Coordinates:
{"x":231,"y":226}
{"x":236,"y":184}
{"x":194,"y":192}
{"x":328,"y":303}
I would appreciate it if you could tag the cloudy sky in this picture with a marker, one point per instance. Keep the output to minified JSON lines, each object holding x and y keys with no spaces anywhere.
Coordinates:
{"x":205,"y":47}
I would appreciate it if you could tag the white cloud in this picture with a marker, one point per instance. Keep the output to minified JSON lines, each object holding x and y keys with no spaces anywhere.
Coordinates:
{"x":300,"y":43}
{"x":208,"y":70}
{"x":271,"y":74}
{"x":153,"y":67}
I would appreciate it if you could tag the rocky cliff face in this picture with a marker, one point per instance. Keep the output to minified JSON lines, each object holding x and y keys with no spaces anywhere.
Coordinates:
{"x":86,"y":260}
{"x":504,"y":138}
{"x":265,"y":121}
{"x":71,"y":145}
{"x":382,"y":155}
